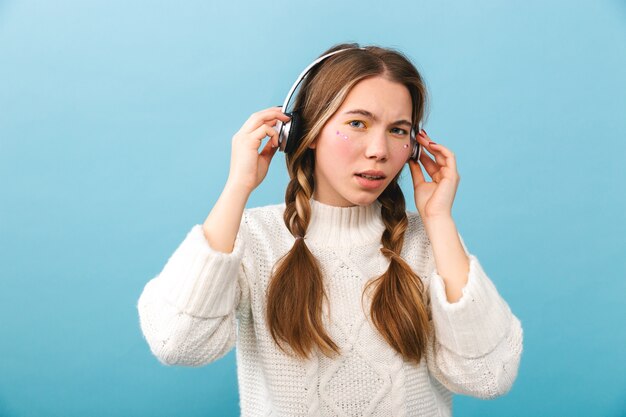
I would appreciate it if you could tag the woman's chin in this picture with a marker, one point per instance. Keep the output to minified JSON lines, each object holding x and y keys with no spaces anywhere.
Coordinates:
{"x":364,"y":199}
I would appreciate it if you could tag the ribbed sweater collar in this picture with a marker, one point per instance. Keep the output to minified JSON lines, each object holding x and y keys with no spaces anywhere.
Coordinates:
{"x":344,"y":226}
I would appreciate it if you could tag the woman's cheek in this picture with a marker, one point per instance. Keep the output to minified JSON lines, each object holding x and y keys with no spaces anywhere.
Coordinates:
{"x":401,"y":152}
{"x":344,"y":147}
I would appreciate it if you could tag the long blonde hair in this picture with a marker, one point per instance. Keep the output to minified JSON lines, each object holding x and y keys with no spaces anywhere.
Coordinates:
{"x":296,"y":290}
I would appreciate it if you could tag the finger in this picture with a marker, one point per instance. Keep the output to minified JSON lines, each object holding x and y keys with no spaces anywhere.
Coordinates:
{"x":430,"y":165}
{"x":260,"y":117}
{"x":256,"y":137}
{"x":416,"y":173}
{"x":443,"y":155}
{"x":450,"y":158}
{"x":265,"y":116}
{"x":439,"y":157}
{"x":268,"y":151}
{"x":273,"y":134}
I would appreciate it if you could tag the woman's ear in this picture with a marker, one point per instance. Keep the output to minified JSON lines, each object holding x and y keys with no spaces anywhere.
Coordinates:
{"x":313,"y":144}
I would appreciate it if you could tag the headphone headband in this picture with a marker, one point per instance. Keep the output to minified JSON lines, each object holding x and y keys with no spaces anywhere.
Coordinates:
{"x":306,"y":71}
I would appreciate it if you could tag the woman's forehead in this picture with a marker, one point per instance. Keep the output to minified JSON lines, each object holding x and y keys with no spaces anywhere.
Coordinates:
{"x":379,"y":98}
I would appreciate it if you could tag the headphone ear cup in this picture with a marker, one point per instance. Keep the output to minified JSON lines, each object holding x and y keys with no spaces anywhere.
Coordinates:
{"x":416,"y":149}
{"x":294,"y":136}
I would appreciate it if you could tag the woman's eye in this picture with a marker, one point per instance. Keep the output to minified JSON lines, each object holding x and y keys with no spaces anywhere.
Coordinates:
{"x":358,"y":121}
{"x":399,"y":131}
{"x":402,"y":131}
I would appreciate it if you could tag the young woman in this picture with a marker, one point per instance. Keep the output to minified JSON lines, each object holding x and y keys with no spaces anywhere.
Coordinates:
{"x":340,"y":302}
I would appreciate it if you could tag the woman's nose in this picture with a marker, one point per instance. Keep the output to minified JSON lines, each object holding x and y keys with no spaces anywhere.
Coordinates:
{"x":377,"y":147}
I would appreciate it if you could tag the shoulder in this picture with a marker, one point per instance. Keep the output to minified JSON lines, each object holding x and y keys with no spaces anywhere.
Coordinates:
{"x":264,"y":212}
{"x":264,"y":219}
{"x":417,"y":248}
{"x":266,"y":234}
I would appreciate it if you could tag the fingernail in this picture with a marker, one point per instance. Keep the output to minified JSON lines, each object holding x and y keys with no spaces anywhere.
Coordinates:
{"x":431,"y":143}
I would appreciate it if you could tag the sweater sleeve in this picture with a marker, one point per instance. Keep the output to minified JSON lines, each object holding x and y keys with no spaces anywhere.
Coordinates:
{"x":187,"y":313}
{"x":476,"y":343}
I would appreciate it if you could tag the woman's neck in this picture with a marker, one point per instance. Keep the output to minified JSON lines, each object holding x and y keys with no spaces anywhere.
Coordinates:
{"x":344,"y":226}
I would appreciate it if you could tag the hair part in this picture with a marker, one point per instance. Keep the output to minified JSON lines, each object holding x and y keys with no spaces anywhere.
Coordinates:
{"x":296,"y":291}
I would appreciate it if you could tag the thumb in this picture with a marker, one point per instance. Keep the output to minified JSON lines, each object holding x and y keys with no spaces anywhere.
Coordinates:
{"x":416,"y":173}
{"x":268,"y":152}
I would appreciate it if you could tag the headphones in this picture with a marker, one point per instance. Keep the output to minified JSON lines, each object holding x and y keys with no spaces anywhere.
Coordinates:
{"x":290,"y":133}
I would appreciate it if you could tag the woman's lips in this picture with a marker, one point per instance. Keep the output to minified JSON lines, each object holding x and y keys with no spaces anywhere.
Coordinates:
{"x":367,"y":183}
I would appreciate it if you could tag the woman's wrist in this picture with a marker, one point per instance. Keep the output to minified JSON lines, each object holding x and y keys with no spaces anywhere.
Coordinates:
{"x":234,"y":187}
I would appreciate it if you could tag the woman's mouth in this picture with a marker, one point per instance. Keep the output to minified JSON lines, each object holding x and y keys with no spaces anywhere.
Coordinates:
{"x":370,"y":181}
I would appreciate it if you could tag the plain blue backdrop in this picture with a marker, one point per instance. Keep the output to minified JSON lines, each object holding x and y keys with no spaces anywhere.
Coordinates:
{"x":116,"y":121}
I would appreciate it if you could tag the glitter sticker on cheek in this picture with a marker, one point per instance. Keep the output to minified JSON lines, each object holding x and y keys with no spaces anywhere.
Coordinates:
{"x":342,"y":135}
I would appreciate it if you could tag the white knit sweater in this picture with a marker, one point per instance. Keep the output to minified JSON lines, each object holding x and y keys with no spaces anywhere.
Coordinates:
{"x":204,"y":302}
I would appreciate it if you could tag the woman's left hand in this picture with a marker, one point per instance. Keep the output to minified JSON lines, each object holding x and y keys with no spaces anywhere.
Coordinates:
{"x":434,"y":199}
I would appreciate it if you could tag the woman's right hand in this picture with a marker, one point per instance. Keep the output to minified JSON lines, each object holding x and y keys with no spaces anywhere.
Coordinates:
{"x":248,"y":167}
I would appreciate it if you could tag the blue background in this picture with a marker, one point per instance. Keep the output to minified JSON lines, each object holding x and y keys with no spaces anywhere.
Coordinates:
{"x":116,"y":121}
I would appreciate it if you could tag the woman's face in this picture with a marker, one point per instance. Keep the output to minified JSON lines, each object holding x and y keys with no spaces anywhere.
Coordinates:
{"x":353,"y":142}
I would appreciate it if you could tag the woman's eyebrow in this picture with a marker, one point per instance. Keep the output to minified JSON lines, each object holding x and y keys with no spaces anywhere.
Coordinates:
{"x":374,"y":118}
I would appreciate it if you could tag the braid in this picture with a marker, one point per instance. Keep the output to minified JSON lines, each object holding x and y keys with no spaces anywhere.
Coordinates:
{"x":398,"y":307}
{"x":395,"y":220}
{"x":298,"y":208}
{"x":296,"y":289}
